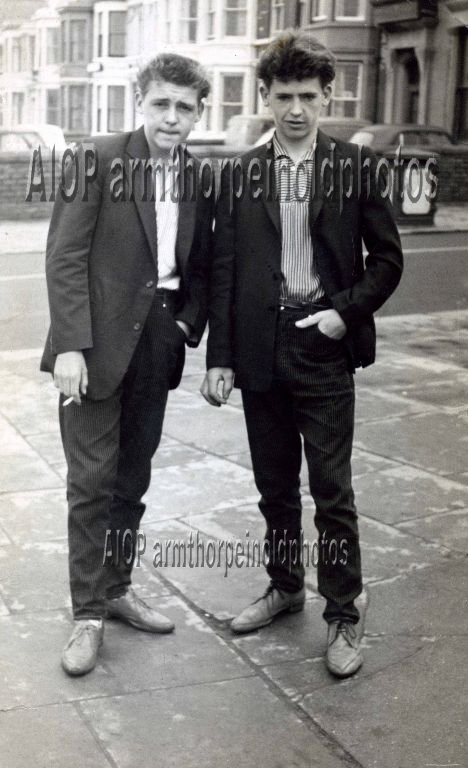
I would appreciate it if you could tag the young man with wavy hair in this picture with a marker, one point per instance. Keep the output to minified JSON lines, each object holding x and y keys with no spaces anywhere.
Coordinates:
{"x":127,"y":268}
{"x":291,"y":317}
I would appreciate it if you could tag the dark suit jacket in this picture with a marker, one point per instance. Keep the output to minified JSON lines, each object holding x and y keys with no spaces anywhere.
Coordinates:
{"x":246,"y":274}
{"x":101,"y":261}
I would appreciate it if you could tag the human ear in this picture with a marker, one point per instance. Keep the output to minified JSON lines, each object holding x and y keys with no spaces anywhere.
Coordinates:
{"x":265,"y":94}
{"x":138,"y":100}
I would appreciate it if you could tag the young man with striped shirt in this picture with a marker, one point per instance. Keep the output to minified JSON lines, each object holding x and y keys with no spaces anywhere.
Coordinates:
{"x":291,"y":316}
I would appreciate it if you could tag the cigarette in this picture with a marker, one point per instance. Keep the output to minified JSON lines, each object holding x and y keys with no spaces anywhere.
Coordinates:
{"x":67,"y":401}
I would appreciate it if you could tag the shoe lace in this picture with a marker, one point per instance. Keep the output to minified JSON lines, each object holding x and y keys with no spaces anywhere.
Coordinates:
{"x":134,"y":598}
{"x":82,"y":629}
{"x":347,"y":630}
{"x":269,"y":590}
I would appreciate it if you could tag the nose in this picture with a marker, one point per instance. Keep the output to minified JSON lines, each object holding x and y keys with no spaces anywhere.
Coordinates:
{"x":171,"y":114}
{"x":296,"y":107}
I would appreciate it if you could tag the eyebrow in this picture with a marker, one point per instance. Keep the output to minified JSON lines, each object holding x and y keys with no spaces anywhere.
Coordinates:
{"x":303,"y":93}
{"x":165,"y":100}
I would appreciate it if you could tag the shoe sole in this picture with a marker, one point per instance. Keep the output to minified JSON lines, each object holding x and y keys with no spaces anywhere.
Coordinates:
{"x":252,"y":627}
{"x":141,"y":627}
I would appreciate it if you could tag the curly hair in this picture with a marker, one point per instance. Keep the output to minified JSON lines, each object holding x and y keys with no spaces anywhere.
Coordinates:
{"x":296,"y":55}
{"x":179,"y":70}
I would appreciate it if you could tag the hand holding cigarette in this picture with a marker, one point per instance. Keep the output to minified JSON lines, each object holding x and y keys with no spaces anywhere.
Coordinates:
{"x":71,"y":376}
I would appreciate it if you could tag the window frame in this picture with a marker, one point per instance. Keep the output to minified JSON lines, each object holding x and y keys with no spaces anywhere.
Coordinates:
{"x":244,"y":9}
{"x":321,"y":15}
{"x":361,"y":14}
{"x":188,"y":20}
{"x":112,"y":110}
{"x":116,"y":35}
{"x":346,"y":99}
{"x":77,"y":47}
{"x":223,"y":103}
{"x":51,"y":34}
{"x":275,"y":7}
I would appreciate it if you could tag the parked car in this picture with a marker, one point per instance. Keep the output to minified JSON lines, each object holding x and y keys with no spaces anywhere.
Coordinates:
{"x":384,"y":139}
{"x":335,"y":127}
{"x":24,"y":138}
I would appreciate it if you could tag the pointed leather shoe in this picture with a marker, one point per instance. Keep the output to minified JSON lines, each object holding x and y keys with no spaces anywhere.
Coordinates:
{"x":266,"y":608}
{"x":134,"y":611}
{"x":344,"y":656}
{"x":80,"y":653}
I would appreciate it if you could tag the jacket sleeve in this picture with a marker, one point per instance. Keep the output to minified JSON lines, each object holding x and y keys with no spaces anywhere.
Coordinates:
{"x":384,"y":263}
{"x":71,"y":230}
{"x":195,"y":309}
{"x":222,"y":281}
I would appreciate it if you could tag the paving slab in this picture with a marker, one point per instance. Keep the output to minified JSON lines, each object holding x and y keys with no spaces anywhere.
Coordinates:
{"x":192,"y":654}
{"x":386,"y":551}
{"x":30,"y":404}
{"x":216,"y":430}
{"x":412,"y":713}
{"x":196,"y":487}
{"x":210,"y":584}
{"x":48,"y":737}
{"x":374,"y":404}
{"x":173,"y":453}
{"x":48,"y":445}
{"x":291,"y":637}
{"x":395,"y":494}
{"x":21,"y":468}
{"x":444,"y":392}
{"x":298,"y":679}
{"x":34,"y":577}
{"x":30,"y":649}
{"x":405,"y":440}
{"x":365,"y":462}
{"x":3,"y":537}
{"x":34,"y":516}
{"x":429,"y":603}
{"x":230,"y":724}
{"x":448,"y":530}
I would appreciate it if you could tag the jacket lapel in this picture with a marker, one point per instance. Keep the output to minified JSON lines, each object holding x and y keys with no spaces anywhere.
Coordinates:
{"x":187,"y":206}
{"x":269,"y":198}
{"x":137,"y":148}
{"x":322,"y":176}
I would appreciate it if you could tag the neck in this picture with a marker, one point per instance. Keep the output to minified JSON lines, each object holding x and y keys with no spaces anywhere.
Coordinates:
{"x":296,"y":149}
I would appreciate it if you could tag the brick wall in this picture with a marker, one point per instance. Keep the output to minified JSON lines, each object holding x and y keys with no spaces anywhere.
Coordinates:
{"x":453,"y":175}
{"x":16,"y":173}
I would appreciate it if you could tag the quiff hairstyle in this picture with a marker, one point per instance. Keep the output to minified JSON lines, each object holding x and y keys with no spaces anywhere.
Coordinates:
{"x":179,"y":70}
{"x":296,"y":55}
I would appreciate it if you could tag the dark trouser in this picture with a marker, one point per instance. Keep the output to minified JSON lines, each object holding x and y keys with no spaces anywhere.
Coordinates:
{"x":312,"y":396}
{"x":109,"y":445}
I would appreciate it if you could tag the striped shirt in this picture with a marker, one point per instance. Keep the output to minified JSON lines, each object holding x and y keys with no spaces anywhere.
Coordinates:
{"x":293,"y":185}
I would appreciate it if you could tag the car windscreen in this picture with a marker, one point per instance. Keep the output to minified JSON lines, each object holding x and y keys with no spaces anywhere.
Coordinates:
{"x":363,"y":138}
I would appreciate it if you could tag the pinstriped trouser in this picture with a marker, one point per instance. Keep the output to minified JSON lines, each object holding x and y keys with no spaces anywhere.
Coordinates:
{"x":312,"y":396}
{"x":108,"y":445}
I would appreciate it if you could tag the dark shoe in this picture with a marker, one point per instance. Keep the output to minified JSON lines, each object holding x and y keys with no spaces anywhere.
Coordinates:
{"x":80,"y":654}
{"x":263,"y":611}
{"x":134,"y":611}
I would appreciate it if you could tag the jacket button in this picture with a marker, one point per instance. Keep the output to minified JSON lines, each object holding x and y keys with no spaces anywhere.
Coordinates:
{"x":149,"y":284}
{"x":137,"y":326}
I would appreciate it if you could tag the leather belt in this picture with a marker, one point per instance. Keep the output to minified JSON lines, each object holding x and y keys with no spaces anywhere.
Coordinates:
{"x":305,"y":306}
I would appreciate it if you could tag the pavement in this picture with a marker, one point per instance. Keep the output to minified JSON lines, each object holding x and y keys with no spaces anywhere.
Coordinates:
{"x":203,"y":696}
